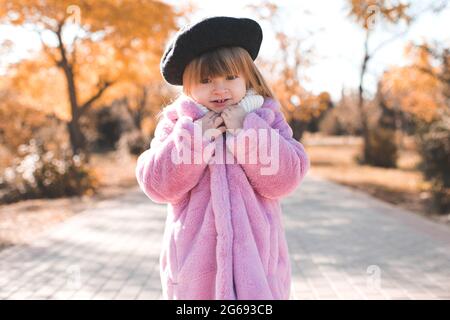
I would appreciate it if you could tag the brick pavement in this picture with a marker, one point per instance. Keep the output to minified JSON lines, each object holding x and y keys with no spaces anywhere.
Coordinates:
{"x":343,"y":245}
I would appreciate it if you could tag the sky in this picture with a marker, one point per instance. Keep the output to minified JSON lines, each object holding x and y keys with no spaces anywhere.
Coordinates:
{"x":322,"y":24}
{"x":337,"y":41}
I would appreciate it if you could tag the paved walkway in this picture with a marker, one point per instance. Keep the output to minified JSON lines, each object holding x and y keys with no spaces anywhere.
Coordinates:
{"x":343,"y":244}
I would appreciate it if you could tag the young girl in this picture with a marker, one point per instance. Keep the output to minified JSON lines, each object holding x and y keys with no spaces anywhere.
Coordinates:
{"x":224,"y":237}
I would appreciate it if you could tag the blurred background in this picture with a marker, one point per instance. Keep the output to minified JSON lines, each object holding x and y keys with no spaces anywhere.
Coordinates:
{"x":364,"y":84}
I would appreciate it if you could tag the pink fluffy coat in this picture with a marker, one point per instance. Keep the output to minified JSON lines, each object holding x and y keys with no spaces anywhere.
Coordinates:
{"x":224,"y":236}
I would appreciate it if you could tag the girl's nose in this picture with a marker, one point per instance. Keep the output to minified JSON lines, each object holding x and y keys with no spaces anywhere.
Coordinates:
{"x":220,"y":91}
{"x":219,"y":87}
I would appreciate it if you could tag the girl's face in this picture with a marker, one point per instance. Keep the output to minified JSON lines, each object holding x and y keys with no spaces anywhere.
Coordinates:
{"x":219,"y":92}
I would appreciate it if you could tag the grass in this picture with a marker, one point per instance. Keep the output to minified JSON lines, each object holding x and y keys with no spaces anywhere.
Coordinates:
{"x":334,"y":158}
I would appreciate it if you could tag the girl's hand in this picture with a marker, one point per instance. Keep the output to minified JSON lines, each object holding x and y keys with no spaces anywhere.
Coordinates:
{"x":234,"y":116}
{"x":209,"y":122}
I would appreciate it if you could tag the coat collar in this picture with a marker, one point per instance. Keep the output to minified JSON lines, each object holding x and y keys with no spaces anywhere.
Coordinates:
{"x":186,"y":106}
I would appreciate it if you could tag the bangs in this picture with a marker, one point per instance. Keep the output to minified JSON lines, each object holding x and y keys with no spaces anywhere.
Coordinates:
{"x":223,"y":62}
{"x":217,"y":63}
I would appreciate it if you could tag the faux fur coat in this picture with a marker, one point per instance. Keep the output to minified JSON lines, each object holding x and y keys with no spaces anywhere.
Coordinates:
{"x":224,"y":236}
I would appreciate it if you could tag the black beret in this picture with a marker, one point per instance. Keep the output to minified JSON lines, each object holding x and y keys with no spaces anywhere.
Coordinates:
{"x":206,"y":35}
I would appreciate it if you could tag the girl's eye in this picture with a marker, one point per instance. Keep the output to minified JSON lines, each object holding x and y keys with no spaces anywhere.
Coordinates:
{"x":231,"y":77}
{"x":204,"y":81}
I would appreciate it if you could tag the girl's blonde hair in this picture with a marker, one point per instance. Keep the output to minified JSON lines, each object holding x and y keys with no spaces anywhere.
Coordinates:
{"x":222,"y":62}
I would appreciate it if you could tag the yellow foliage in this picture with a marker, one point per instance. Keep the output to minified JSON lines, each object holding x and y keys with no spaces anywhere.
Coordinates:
{"x":22,"y":120}
{"x":370,"y":11}
{"x":40,"y":85}
{"x":412,"y":89}
{"x":104,"y":41}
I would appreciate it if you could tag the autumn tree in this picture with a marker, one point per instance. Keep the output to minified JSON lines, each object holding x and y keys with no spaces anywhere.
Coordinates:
{"x":96,"y":45}
{"x":370,"y":14}
{"x":422,"y":88}
{"x":21,"y":122}
{"x":367,"y":14}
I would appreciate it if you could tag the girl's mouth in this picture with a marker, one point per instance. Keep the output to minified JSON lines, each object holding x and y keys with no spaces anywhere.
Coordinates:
{"x":220,"y":102}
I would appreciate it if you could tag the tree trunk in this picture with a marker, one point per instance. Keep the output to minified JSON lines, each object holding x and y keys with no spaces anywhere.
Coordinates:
{"x":298,"y":128}
{"x":77,"y":139}
{"x":365,"y":127}
{"x":140,"y":110}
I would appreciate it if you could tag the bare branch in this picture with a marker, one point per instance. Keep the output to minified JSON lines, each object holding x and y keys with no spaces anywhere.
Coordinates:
{"x":102,"y":86}
{"x":384,"y":43}
{"x":64,"y":62}
{"x":73,"y":55}
{"x":47,"y":50}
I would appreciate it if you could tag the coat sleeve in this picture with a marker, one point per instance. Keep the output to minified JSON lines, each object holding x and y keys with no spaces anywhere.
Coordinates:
{"x":279,"y":161}
{"x":164,"y":177}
